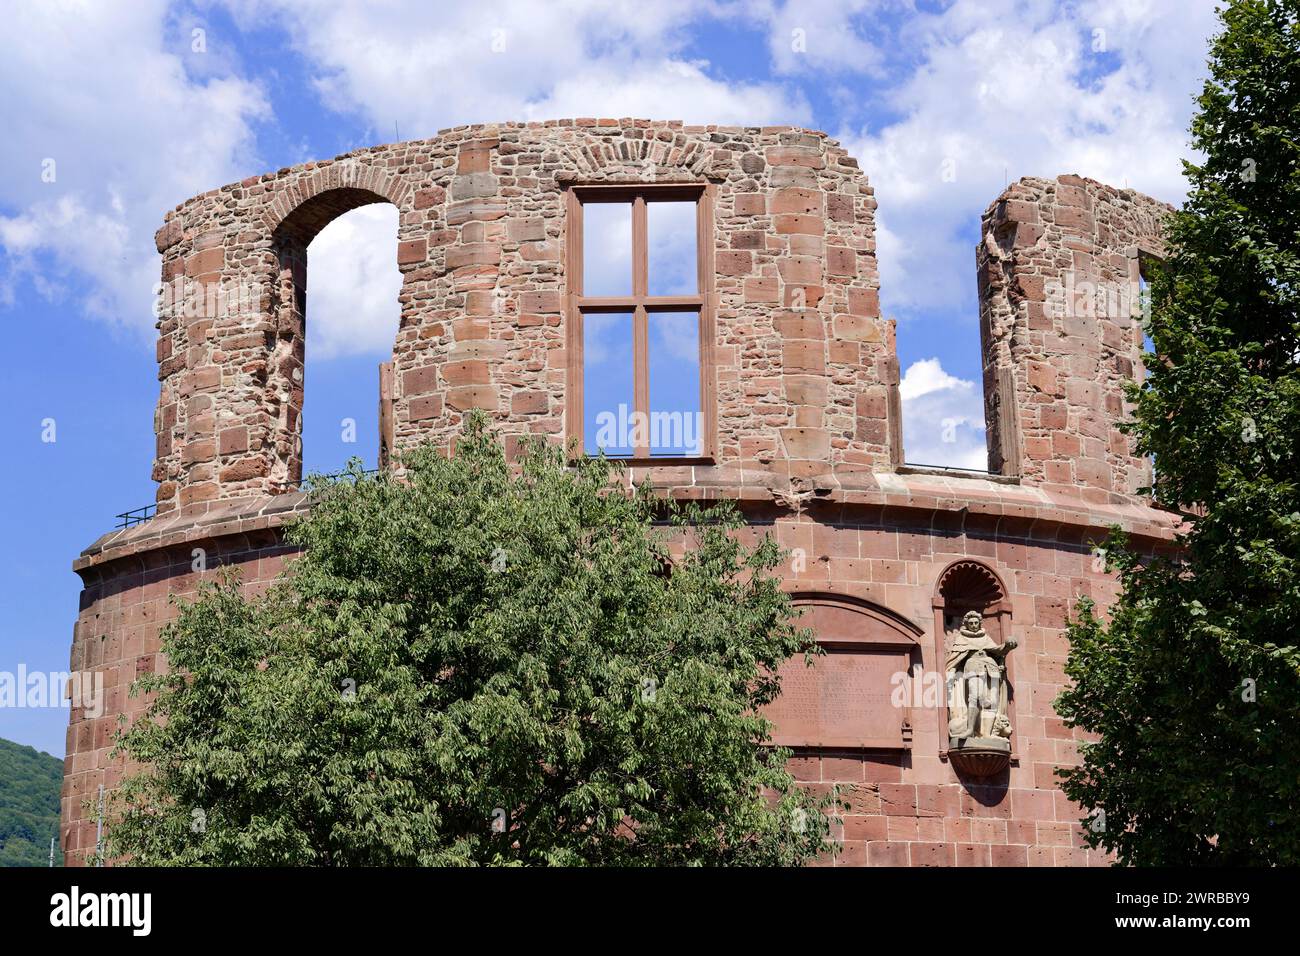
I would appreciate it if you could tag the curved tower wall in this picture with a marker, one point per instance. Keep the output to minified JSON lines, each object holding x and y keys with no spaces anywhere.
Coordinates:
{"x":807,"y":435}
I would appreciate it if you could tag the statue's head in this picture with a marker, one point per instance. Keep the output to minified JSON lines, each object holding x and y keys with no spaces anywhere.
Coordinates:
{"x":973,"y":622}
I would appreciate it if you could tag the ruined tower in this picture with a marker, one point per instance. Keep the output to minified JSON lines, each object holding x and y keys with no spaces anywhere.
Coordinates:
{"x":750,"y":273}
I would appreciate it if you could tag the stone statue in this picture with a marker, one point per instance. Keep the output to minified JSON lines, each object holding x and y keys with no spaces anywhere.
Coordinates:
{"x":977,"y":685}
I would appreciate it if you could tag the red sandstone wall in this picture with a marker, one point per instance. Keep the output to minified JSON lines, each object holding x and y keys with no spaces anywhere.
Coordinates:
{"x":911,"y":808}
{"x":1059,"y":321}
{"x":804,"y":364}
{"x":809,"y":437}
{"x":884,"y":541}
{"x":125,"y":603}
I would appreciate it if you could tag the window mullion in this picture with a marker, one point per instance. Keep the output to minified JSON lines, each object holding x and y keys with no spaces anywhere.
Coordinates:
{"x":641,"y":374}
{"x":640,"y":253}
{"x":640,"y":321}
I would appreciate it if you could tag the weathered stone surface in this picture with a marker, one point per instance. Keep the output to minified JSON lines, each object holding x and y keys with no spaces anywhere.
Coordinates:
{"x":1059,"y":267}
{"x":808,"y":437}
{"x":482,"y":235}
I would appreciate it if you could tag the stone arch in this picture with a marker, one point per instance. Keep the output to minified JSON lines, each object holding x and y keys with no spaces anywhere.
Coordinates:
{"x":629,"y":161}
{"x":295,"y":218}
{"x":845,"y":701}
{"x":341,"y":186}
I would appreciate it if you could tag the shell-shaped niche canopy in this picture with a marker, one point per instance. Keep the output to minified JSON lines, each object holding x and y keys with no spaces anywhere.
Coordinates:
{"x":970,"y":584}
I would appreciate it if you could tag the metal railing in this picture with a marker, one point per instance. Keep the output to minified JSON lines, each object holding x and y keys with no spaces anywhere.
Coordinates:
{"x":129,"y":519}
{"x":136,"y":516}
{"x":956,"y":471}
{"x":973,"y":471}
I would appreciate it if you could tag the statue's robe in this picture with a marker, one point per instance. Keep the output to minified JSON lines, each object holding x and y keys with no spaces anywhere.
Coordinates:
{"x":968,"y":660}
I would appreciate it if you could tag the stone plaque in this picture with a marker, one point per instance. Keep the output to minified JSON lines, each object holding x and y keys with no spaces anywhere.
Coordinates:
{"x":842,"y":700}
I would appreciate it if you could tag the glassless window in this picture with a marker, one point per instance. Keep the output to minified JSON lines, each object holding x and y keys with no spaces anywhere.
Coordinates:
{"x":607,"y":387}
{"x":671,"y":247}
{"x":607,"y":249}
{"x":638,"y":277}
{"x":676,"y":418}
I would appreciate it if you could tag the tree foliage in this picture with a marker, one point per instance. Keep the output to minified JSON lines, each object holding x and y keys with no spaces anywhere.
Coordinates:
{"x":1193,"y":685}
{"x":30,"y":785}
{"x":478,"y":664}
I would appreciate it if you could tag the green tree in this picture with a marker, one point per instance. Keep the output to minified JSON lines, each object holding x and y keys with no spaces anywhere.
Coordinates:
{"x":30,"y":785}
{"x":478,"y":664}
{"x":1193,"y":685}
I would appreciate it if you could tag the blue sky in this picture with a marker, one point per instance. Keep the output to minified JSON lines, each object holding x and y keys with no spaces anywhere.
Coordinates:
{"x":115,"y":112}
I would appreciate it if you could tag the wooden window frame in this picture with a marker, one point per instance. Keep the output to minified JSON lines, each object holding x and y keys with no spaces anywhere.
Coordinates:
{"x":640,"y":304}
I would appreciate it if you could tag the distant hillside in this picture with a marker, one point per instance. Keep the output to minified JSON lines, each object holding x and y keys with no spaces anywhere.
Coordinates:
{"x":29,"y":805}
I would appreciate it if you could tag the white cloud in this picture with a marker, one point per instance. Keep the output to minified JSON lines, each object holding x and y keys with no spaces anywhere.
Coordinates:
{"x":1007,"y":88}
{"x":665,"y":88}
{"x":105,"y":93}
{"x":821,"y":35}
{"x":353,"y":283}
{"x":926,"y":376}
{"x":423,"y":66}
{"x":943,"y":417}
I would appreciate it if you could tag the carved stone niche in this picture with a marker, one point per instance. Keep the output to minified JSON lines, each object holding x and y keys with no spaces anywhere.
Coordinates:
{"x":965,"y":586}
{"x":845,"y":700}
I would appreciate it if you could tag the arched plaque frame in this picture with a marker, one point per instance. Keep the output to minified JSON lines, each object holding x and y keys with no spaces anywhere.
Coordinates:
{"x":864,"y":645}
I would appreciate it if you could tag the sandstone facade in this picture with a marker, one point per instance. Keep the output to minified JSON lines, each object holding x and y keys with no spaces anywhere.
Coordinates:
{"x":801,"y":359}
{"x":807,"y":431}
{"x":1059,"y":275}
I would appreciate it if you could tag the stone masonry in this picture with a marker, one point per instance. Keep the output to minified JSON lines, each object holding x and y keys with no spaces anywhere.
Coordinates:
{"x":1059,"y":270}
{"x":808,"y":431}
{"x":802,"y":364}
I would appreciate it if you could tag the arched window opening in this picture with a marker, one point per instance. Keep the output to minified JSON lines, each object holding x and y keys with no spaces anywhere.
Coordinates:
{"x":352,"y":317}
{"x":351,"y":322}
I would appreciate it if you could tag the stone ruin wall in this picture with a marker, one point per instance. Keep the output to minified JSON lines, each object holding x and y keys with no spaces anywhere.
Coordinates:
{"x":808,"y":422}
{"x":804,"y":365}
{"x":1059,"y":266}
{"x":806,"y":370}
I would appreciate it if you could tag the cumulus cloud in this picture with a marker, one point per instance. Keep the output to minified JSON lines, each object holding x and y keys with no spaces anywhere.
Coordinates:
{"x":824,"y":35}
{"x":353,"y":283}
{"x":943,"y":417}
{"x":1005,"y":88}
{"x":421,"y":66}
{"x":108,"y":129}
{"x":666,"y":88}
